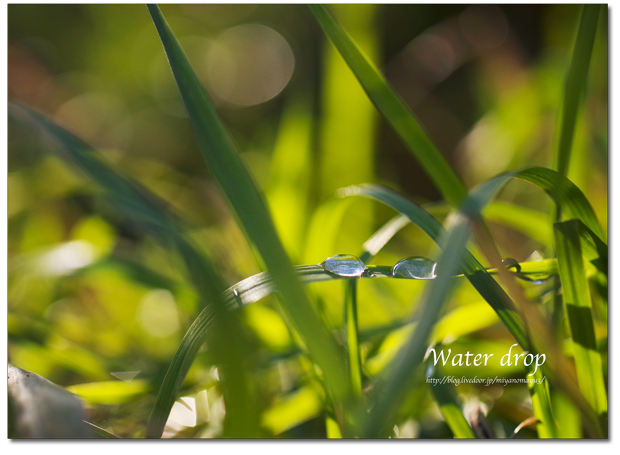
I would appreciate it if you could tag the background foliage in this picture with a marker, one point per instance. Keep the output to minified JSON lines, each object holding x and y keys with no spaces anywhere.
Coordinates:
{"x":94,"y":297}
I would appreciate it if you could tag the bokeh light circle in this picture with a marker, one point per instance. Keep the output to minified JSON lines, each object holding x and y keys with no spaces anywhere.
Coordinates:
{"x":248,"y":65}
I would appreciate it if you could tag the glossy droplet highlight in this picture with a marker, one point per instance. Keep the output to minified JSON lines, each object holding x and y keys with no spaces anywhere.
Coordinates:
{"x":344,"y":265}
{"x":415,"y":268}
{"x":512,"y":263}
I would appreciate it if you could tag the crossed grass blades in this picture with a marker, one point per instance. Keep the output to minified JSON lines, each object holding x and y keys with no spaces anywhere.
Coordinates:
{"x":353,"y":411}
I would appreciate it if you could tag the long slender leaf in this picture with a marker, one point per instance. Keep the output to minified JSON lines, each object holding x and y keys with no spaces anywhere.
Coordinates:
{"x":475,"y":272}
{"x":351,"y":326}
{"x":579,"y":311}
{"x":393,"y":109}
{"x":574,"y":203}
{"x":259,"y":286}
{"x":237,"y":184}
{"x":575,"y":85}
{"x":541,"y":405}
{"x":393,"y":384}
{"x":103,"y":434}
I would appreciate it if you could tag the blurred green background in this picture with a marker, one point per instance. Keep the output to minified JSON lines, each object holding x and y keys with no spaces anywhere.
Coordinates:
{"x":91,"y":296}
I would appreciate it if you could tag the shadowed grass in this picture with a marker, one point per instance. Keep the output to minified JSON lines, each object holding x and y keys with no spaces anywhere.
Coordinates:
{"x":579,"y":311}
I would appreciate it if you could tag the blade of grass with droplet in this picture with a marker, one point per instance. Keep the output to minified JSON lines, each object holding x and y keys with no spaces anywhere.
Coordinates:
{"x":393,"y":384}
{"x":578,"y":307}
{"x":392,"y":107}
{"x":254,"y":288}
{"x":475,"y":272}
{"x":488,"y":287}
{"x":148,"y":211}
{"x":238,"y":186}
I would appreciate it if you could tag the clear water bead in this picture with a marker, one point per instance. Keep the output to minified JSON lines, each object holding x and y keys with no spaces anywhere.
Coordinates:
{"x":415,"y":268}
{"x":344,"y":265}
{"x":512,"y":263}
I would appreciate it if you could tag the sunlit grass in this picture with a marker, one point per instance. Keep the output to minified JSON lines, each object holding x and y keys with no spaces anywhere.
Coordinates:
{"x":291,"y":361}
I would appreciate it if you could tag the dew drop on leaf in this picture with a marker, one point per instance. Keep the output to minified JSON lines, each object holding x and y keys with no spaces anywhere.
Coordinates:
{"x":510,"y":263}
{"x":344,"y":265}
{"x":415,"y":268}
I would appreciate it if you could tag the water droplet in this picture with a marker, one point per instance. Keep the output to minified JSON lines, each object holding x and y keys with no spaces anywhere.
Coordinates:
{"x":344,"y":265}
{"x":416,"y":268}
{"x":510,"y":263}
{"x":235,"y":292}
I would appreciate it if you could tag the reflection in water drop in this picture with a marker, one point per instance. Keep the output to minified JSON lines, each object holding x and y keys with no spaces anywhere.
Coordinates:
{"x":416,"y":268}
{"x":344,"y":265}
{"x":510,"y":263}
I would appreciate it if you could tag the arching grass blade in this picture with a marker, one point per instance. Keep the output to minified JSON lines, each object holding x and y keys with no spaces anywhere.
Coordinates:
{"x":393,"y":109}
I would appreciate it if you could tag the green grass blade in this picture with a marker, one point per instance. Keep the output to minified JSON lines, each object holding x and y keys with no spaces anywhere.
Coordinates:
{"x":352,"y":331}
{"x":148,"y":211}
{"x":237,"y":184}
{"x":449,"y":406}
{"x":103,"y":434}
{"x":332,"y":429}
{"x":574,"y":203}
{"x":567,"y":416}
{"x":594,"y":250}
{"x":575,"y":85}
{"x":541,"y":406}
{"x":289,"y":179}
{"x":393,"y":384}
{"x":579,"y":311}
{"x":393,"y":109}
{"x":380,"y":238}
{"x":254,"y":288}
